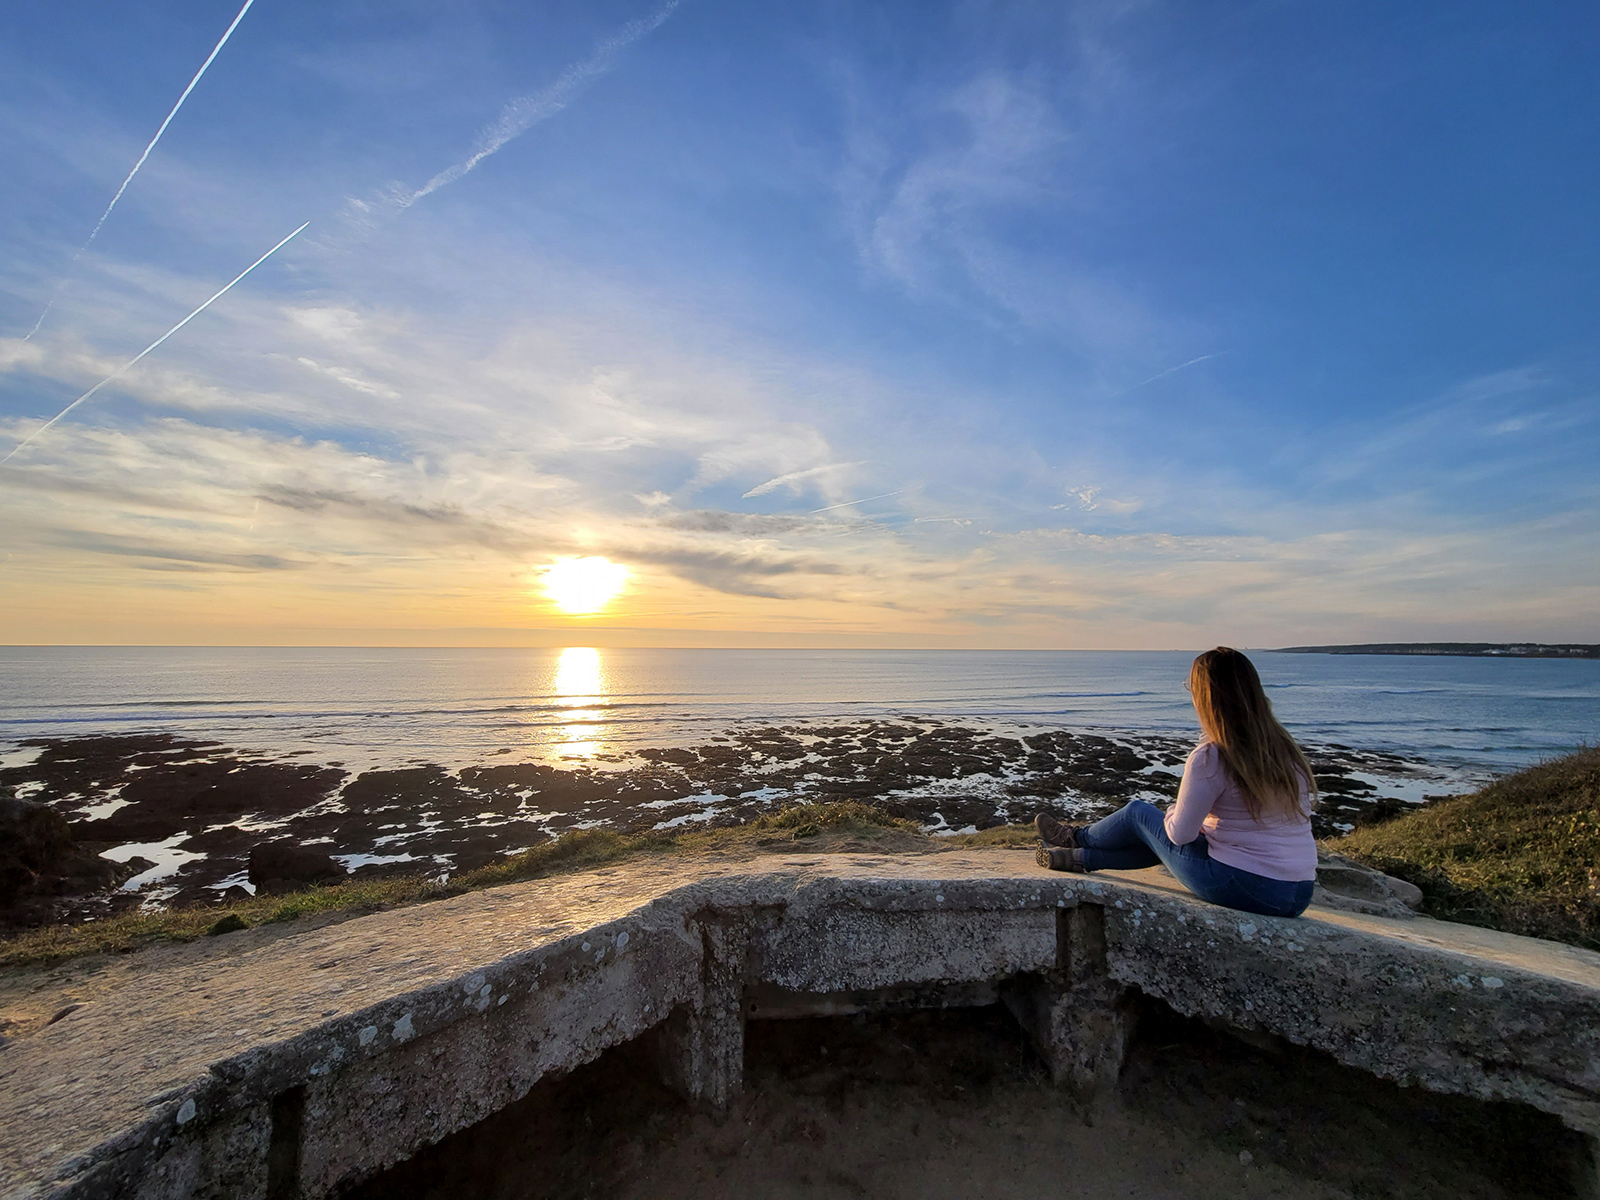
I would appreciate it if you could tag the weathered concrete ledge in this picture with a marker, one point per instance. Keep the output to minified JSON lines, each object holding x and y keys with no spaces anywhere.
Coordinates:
{"x":304,"y":1067}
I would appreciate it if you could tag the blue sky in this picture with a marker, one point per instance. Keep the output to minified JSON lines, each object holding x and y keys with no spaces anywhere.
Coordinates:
{"x":1140,"y":324}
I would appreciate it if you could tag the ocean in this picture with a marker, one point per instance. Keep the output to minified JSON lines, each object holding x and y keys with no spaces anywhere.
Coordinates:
{"x":377,"y":708}
{"x":180,"y":762}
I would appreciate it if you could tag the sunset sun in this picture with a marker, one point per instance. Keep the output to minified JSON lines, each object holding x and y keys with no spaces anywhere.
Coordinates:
{"x":583,"y":586}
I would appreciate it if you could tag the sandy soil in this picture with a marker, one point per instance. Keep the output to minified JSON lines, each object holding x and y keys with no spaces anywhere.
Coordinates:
{"x":948,"y":1105}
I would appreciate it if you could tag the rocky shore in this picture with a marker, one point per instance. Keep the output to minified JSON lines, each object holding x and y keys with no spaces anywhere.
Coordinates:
{"x":158,"y":819}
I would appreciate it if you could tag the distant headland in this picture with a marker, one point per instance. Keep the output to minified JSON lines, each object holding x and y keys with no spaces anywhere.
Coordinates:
{"x":1459,"y":649}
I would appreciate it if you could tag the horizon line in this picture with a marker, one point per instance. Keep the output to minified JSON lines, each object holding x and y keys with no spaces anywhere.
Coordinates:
{"x":578,"y":643}
{"x":585,"y":645}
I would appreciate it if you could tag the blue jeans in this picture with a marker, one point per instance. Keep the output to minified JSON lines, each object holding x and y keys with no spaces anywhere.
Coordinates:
{"x":1134,"y":836}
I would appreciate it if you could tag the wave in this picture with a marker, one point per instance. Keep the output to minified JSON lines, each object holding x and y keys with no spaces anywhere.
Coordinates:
{"x":1083,"y":695}
{"x":469,"y":704}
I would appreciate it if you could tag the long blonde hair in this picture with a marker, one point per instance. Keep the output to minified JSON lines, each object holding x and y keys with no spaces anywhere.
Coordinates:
{"x":1236,"y":716}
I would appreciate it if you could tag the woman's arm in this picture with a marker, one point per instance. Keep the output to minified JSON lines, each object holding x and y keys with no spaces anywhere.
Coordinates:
{"x":1203,"y":781}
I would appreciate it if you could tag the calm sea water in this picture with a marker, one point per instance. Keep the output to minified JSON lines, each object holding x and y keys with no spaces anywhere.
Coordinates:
{"x":364,"y":708}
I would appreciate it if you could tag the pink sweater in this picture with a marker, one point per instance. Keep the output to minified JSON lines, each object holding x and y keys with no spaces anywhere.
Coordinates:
{"x":1211,"y":803}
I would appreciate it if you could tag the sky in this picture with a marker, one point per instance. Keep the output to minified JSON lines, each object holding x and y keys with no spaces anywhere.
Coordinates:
{"x":1072,"y":325}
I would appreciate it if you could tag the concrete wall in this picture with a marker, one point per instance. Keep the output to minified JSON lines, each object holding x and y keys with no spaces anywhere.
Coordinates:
{"x":683,"y":960}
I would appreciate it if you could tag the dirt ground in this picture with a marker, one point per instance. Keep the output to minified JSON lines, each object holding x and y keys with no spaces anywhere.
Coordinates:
{"x":954,"y":1105}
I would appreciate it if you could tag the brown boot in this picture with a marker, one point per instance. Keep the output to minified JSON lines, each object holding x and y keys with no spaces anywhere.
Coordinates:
{"x":1054,"y":833}
{"x":1059,"y":859}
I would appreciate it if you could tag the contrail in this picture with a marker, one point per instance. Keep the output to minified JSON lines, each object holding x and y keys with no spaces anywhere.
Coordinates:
{"x":863,"y":500}
{"x":120,"y":370}
{"x":525,"y":112}
{"x":215,"y":50}
{"x":771,"y":485}
{"x":1164,"y":374}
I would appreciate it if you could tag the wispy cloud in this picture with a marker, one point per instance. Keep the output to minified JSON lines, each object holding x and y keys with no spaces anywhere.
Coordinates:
{"x":745,"y":524}
{"x":175,"y":501}
{"x":792,"y":478}
{"x":1089,"y":499}
{"x":913,"y":214}
{"x":167,"y":556}
{"x":937,"y":183}
{"x":523,"y":113}
{"x":349,"y":378}
{"x":1438,"y":443}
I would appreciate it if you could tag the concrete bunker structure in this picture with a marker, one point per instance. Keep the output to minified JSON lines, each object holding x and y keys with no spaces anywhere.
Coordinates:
{"x":303,"y":1068}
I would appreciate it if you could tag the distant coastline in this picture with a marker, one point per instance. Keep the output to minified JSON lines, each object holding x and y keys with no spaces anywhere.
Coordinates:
{"x":1459,"y":649}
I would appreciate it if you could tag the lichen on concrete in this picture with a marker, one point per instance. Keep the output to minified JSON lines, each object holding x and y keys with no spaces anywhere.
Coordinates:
{"x":306,"y":1066}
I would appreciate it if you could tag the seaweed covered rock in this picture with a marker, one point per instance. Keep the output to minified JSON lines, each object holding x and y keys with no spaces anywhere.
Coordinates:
{"x":41,"y":864}
{"x":34,"y":840}
{"x":286,"y":867}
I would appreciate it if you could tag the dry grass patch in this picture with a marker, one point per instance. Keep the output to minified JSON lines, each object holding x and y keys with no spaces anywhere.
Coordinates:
{"x":1522,"y":855}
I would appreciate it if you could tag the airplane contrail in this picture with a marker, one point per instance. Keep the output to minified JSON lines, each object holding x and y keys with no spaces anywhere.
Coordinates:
{"x":525,"y":112}
{"x":771,"y":485}
{"x":124,"y":367}
{"x":95,"y":232}
{"x":1168,"y":371}
{"x":863,"y":500}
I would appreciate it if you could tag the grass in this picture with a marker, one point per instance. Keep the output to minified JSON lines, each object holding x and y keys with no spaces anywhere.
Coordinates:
{"x":845,"y":825}
{"x":1522,"y":855}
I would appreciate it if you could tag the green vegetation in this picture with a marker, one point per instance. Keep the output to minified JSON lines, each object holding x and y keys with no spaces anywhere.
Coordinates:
{"x":1522,"y":855}
{"x":827,"y":827}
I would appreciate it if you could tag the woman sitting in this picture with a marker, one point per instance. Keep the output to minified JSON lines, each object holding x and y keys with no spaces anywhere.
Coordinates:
{"x":1240,"y":832}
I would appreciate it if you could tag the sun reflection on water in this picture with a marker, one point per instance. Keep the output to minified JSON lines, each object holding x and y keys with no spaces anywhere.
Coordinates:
{"x":579,"y":683}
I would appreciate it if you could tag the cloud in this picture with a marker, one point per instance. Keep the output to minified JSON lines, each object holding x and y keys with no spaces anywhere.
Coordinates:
{"x":1444,"y":451}
{"x":1089,"y":499}
{"x":349,"y":379}
{"x":227,"y":287}
{"x":439,"y":521}
{"x":744,"y":524}
{"x":17,"y":353}
{"x":177,"y":500}
{"x":795,"y":477}
{"x":945,"y":185}
{"x":523,"y":113}
{"x":780,"y":444}
{"x":581,"y":431}
{"x":733,"y":572}
{"x":916,"y":217}
{"x":166,"y":556}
